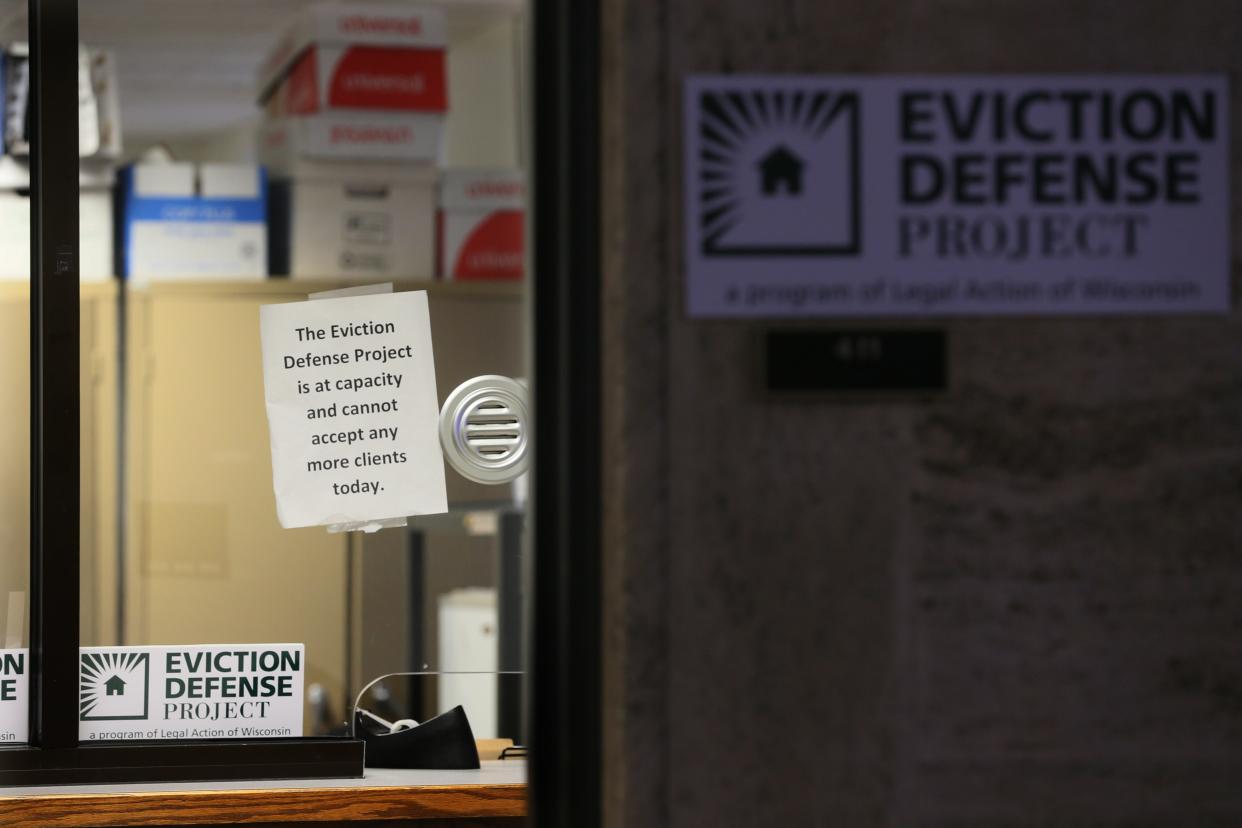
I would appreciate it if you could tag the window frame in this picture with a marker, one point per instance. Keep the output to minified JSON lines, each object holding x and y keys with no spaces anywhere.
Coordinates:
{"x":564,"y":707}
{"x":53,"y":754}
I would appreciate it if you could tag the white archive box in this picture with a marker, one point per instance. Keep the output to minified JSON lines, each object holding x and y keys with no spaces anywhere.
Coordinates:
{"x":181,"y":220}
{"x":353,"y":221}
{"x":481,"y":224}
{"x":95,"y":234}
{"x":99,"y":107}
{"x":357,"y":82}
{"x":360,"y":26}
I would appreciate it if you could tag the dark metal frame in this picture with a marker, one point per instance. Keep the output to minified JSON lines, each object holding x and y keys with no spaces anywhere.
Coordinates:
{"x":54,"y":755}
{"x":565,"y":708}
{"x":510,"y":639}
{"x":54,"y":373}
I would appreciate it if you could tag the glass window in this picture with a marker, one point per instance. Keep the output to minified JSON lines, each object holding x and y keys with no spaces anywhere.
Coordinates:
{"x":385,"y":148}
{"x":14,"y":411}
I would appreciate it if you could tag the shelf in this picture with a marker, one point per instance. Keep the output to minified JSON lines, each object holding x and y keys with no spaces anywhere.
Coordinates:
{"x":299,"y":288}
{"x":189,"y":68}
{"x":20,"y":289}
{"x":466,"y":518}
{"x":497,"y":790}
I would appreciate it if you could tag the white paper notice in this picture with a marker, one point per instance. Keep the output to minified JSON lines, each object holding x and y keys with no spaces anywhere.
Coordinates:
{"x":352,"y":409}
{"x":222,"y":691}
{"x":14,"y":695}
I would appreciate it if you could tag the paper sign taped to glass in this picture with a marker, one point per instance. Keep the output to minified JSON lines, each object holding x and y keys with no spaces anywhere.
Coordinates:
{"x":352,"y":411}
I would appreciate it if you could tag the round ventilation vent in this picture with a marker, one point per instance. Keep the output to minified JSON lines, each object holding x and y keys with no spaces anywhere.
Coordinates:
{"x":484,"y":429}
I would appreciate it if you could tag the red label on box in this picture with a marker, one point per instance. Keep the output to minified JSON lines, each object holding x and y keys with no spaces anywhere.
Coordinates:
{"x":393,"y":79}
{"x":487,"y":189}
{"x":363,"y":77}
{"x":301,"y":90}
{"x":372,"y":24}
{"x":494,"y":249}
{"x":350,"y":135}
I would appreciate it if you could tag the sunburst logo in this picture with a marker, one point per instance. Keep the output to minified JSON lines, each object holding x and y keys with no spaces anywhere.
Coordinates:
{"x":778,"y":171}
{"x":114,"y":686}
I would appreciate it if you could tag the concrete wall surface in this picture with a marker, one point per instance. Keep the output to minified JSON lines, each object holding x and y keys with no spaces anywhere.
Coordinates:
{"x":1018,"y":603}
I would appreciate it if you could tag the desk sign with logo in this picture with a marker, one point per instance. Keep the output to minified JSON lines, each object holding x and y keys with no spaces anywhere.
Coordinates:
{"x":956,"y":195}
{"x":243,"y":691}
{"x":14,"y":696}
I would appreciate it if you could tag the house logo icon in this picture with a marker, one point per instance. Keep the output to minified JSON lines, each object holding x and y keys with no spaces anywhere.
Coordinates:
{"x":114,"y":686}
{"x":780,"y":168}
{"x":776,"y":170}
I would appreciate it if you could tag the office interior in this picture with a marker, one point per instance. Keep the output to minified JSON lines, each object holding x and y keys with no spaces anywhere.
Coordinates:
{"x":1009,"y":598}
{"x":180,"y":541}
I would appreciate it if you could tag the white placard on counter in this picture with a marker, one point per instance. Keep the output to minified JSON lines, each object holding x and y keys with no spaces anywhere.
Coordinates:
{"x":221,"y":691}
{"x":352,"y":410}
{"x":14,"y":695}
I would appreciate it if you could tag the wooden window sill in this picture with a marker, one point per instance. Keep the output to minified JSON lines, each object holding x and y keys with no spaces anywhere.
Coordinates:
{"x":494,"y":795}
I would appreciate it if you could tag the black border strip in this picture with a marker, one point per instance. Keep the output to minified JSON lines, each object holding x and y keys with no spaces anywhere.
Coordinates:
{"x":565,"y":705}
{"x":54,"y":374}
{"x":127,"y":762}
{"x":54,"y":755}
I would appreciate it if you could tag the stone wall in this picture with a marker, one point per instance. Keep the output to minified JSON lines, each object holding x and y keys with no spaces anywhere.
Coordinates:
{"x":1018,"y":603}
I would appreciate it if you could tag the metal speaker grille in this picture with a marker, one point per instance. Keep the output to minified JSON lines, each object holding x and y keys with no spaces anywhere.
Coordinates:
{"x":484,"y":429}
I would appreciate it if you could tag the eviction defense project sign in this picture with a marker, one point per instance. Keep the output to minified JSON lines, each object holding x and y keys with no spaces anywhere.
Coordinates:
{"x":238,"y":691}
{"x":956,"y":195}
{"x":14,"y":695}
{"x":232,"y":691}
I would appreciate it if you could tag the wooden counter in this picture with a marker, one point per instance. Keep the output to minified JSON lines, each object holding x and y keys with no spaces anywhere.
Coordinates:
{"x":493,"y":796}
